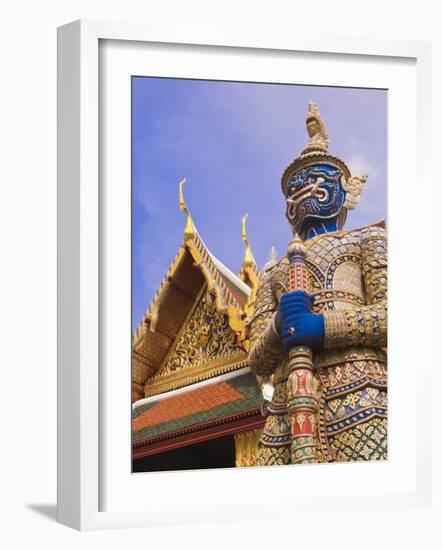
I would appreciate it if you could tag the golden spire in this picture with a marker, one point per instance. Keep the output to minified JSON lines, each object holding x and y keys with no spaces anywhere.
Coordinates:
{"x":189,"y":231}
{"x":249,"y":260}
{"x":316,"y":130}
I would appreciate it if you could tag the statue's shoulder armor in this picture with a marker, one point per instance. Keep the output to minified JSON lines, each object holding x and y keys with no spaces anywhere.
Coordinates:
{"x":375,"y":231}
{"x":374,"y":248}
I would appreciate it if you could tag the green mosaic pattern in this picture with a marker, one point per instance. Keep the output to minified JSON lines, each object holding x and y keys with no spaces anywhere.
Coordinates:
{"x":245,"y":384}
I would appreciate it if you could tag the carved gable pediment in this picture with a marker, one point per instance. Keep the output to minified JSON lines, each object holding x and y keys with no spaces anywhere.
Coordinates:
{"x":196,"y":325}
{"x":206,"y":337}
{"x":205,"y":346}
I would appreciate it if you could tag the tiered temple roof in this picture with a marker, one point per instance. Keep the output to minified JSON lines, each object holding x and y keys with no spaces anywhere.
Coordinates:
{"x":226,"y":405}
{"x":192,"y":336}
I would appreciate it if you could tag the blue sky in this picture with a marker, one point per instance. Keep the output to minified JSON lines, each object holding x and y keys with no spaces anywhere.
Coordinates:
{"x":232,"y":141}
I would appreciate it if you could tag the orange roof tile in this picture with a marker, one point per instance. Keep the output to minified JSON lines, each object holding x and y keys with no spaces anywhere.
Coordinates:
{"x":180,"y":405}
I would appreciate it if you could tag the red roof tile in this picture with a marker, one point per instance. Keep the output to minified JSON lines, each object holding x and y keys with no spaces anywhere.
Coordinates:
{"x":181,"y":405}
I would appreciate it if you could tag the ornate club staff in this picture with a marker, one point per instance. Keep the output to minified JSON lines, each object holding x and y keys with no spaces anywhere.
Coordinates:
{"x":302,"y":386}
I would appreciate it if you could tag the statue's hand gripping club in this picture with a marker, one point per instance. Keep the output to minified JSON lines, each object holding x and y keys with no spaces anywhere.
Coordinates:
{"x":295,"y":322}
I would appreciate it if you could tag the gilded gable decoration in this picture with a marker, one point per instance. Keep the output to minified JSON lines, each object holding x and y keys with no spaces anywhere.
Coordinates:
{"x":196,"y":324}
{"x":206,"y":337}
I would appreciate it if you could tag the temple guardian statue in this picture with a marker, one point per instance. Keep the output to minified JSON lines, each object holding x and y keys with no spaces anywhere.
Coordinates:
{"x":319,"y":327}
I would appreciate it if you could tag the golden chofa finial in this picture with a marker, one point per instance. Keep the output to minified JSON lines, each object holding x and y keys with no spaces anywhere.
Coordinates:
{"x":189,"y":231}
{"x":316,"y":130}
{"x":249,"y":260}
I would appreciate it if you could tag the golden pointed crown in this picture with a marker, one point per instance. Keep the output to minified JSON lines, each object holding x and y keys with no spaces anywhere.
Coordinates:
{"x":316,"y":151}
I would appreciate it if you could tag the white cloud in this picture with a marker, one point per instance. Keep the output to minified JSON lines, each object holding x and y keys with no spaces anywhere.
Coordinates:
{"x":359,"y":165}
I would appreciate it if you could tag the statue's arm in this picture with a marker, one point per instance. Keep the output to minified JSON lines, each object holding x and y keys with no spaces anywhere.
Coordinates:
{"x":266,"y":351}
{"x":367,"y":325}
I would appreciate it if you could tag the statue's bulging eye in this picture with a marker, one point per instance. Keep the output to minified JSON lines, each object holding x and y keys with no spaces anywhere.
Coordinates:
{"x":322,"y":194}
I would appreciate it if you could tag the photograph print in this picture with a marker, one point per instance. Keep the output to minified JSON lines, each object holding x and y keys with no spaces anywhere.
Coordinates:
{"x":259,"y":274}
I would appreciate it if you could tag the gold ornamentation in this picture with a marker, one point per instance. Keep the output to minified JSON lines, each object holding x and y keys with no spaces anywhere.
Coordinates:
{"x":266,"y":351}
{"x":352,"y":400}
{"x":189,"y":231}
{"x":276,"y":425}
{"x":249,"y":260}
{"x":356,"y":328}
{"x":366,"y":325}
{"x":354,"y":185}
{"x":236,"y":310}
{"x":347,"y":279}
{"x":246,"y":448}
{"x":279,"y":280}
{"x":160,"y":383}
{"x":206,"y":337}
{"x":348,"y":372}
{"x":347,"y":272}
{"x":366,"y":441}
{"x":191,"y":375}
{"x":300,"y":419}
{"x":316,"y":149}
{"x":353,"y":355}
{"x":278,"y":404}
{"x":317,"y":131}
{"x":273,"y":456}
{"x":225,"y":300}
{"x":250,"y":275}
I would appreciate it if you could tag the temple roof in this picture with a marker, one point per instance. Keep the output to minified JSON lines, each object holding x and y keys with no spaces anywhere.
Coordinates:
{"x":228,"y":288}
{"x":193,"y":271}
{"x":204,"y":408}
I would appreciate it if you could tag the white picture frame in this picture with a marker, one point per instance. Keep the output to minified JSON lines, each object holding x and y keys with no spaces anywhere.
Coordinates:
{"x":80,"y":270}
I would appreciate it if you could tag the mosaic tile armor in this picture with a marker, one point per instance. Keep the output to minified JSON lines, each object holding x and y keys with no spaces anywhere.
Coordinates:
{"x":347,"y":274}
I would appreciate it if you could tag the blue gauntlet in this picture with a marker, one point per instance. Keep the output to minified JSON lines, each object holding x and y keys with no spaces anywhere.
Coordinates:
{"x":296,"y":324}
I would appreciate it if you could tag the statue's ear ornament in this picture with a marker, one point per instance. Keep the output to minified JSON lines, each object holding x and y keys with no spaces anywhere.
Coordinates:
{"x":353,"y":185}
